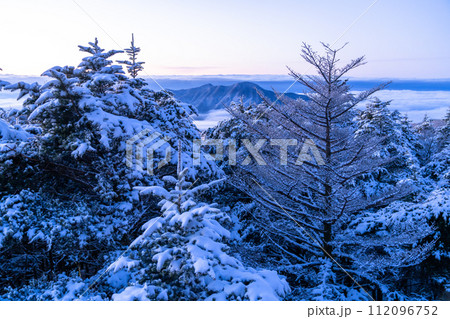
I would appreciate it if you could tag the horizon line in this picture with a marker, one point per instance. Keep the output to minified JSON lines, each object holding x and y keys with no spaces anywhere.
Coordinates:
{"x":287,"y":76}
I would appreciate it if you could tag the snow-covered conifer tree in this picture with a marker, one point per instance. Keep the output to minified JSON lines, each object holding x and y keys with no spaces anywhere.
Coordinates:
{"x":443,"y":138}
{"x":428,"y":139}
{"x":29,"y":90}
{"x":183,"y":254}
{"x":398,"y":143}
{"x":68,"y":145}
{"x":60,"y":109}
{"x":99,"y":73}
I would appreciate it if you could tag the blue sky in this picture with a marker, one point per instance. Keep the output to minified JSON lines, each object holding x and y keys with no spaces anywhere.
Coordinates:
{"x":401,"y":39}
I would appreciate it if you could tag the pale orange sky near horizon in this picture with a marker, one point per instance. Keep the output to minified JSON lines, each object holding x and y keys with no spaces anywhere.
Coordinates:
{"x":400,"y":39}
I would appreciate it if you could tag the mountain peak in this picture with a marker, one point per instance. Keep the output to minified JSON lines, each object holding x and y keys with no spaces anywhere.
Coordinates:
{"x":210,"y":97}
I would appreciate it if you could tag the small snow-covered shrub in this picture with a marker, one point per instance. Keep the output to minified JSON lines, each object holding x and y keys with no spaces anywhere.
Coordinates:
{"x":44,"y":236}
{"x":62,"y":288}
{"x":185,"y":253}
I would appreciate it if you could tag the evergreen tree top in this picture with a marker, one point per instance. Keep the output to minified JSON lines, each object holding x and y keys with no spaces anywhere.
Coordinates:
{"x":133,"y":66}
{"x":96,"y":50}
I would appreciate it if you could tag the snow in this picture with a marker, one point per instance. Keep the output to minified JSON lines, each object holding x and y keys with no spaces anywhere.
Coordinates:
{"x":111,"y":125}
{"x":73,"y":289}
{"x":152,"y":190}
{"x":81,"y":150}
{"x":8,"y":133}
{"x":193,"y":239}
{"x":201,"y":266}
{"x":67,"y":192}
{"x":134,"y":293}
{"x":123,"y":262}
{"x":161,"y":259}
{"x":119,"y":279}
{"x":169,"y":179}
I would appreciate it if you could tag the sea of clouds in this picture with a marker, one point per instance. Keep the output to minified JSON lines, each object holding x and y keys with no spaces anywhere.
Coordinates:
{"x":413,"y":103}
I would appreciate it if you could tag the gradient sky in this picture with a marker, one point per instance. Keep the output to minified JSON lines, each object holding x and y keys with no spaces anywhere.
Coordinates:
{"x":400,"y":38}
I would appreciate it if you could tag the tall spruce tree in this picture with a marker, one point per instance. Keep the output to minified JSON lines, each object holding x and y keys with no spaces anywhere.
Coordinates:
{"x":70,"y":149}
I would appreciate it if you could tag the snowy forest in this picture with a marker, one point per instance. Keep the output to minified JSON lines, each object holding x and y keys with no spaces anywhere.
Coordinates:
{"x":361,"y":214}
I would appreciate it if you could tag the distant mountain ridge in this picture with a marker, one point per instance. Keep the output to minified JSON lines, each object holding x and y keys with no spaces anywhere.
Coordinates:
{"x":210,"y":97}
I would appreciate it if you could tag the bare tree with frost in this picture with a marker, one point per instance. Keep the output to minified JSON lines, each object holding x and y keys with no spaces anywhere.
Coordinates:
{"x":307,"y":202}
